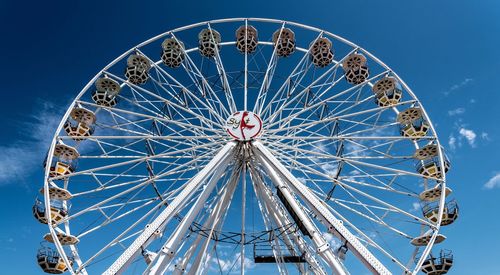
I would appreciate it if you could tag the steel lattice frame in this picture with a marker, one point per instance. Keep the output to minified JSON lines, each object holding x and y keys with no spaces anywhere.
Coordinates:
{"x":335,"y":155}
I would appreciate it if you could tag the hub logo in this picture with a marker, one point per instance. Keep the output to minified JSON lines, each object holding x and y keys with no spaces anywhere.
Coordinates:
{"x":244,"y":125}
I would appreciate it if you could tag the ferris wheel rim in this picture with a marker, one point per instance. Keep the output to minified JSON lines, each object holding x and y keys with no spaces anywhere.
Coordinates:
{"x":47,"y":182}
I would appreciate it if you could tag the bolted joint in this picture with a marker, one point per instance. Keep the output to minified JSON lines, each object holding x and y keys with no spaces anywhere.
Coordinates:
{"x":180,"y":267}
{"x":323,"y":247}
{"x":168,"y":251}
{"x":158,"y":233}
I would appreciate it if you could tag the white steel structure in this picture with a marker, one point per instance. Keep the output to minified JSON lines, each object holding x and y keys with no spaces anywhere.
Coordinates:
{"x":245,"y":144}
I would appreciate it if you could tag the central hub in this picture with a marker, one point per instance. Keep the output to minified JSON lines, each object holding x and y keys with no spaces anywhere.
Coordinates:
{"x":244,"y":125}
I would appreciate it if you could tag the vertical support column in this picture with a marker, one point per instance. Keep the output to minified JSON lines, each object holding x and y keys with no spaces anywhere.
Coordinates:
{"x":243,"y":205}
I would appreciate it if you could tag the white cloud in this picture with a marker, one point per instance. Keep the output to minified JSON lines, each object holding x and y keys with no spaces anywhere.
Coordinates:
{"x":415,"y":207}
{"x":461,"y":84}
{"x":485,"y":136}
{"x":302,"y":180}
{"x":330,"y":169}
{"x":354,"y":172}
{"x":465,"y":135}
{"x":20,"y":159}
{"x":232,"y":265}
{"x":469,"y":135}
{"x":457,"y":86}
{"x":457,"y":111}
{"x":355,"y":150}
{"x":452,"y":142}
{"x":494,"y":182}
{"x":332,"y":240}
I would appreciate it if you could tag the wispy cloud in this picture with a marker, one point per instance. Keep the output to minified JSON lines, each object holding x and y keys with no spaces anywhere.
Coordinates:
{"x":464,"y":135}
{"x":452,"y":142}
{"x":20,"y":158}
{"x":469,"y":135}
{"x":415,"y":207}
{"x":8,"y":244}
{"x":457,"y":111}
{"x":332,"y":240}
{"x":458,"y":86}
{"x":232,"y":265}
{"x":493,"y":182}
{"x":330,"y":169}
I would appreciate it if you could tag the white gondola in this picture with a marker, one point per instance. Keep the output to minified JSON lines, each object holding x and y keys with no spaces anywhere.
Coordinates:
{"x":246,"y":39}
{"x":209,"y":42}
{"x":58,"y":211}
{"x":64,"y":239}
{"x":428,"y":162}
{"x":106,"y":91}
{"x":51,"y":261}
{"x":425,"y":239}
{"x":433,"y":194}
{"x":321,"y":52}
{"x":438,"y":265}
{"x":388,"y":91}
{"x":412,"y":123}
{"x":64,"y":161}
{"x":450,"y":213}
{"x":137,"y":71}
{"x":355,"y":69}
{"x":80,"y":123}
{"x":58,"y":193}
{"x":172,"y":53}
{"x":284,"y":42}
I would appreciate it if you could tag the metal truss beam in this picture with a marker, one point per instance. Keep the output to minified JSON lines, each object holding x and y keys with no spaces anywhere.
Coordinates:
{"x":322,"y":247}
{"x":334,"y":225}
{"x":133,"y":250}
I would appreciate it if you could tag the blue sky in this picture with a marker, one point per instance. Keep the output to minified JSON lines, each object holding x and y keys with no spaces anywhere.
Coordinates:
{"x":447,"y":51}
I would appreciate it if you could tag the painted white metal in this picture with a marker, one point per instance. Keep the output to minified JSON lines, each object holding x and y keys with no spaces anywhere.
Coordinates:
{"x":222,"y":157}
{"x":197,"y":132}
{"x":213,"y":219}
{"x":169,"y":249}
{"x":277,"y":213}
{"x":268,"y":77}
{"x":223,"y":74}
{"x":216,"y":221}
{"x":194,"y":72}
{"x":322,"y":247}
{"x":243,"y":212}
{"x":334,"y":226}
{"x":245,"y":87}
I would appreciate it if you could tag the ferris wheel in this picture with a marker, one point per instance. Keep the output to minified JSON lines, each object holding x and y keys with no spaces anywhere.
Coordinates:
{"x":245,"y":145}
